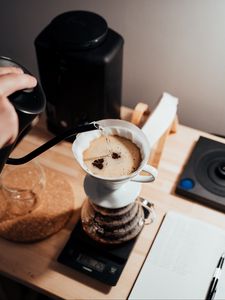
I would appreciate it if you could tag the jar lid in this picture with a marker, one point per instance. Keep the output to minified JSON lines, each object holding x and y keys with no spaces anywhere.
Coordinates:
{"x":78,"y":30}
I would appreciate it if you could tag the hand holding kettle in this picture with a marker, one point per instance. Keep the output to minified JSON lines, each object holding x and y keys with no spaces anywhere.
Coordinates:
{"x":12,"y":79}
{"x":20,"y":89}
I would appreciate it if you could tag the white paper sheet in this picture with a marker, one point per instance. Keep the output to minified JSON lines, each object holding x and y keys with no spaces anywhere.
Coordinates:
{"x":182,"y":260}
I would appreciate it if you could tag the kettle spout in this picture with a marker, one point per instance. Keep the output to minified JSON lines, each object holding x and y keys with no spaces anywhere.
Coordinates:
{"x":68,"y":133}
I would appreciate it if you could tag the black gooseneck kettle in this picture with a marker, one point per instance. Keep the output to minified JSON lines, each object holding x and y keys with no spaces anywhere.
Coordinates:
{"x":28,"y":105}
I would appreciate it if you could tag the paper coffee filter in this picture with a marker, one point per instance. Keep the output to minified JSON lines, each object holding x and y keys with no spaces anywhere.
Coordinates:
{"x":111,"y":127}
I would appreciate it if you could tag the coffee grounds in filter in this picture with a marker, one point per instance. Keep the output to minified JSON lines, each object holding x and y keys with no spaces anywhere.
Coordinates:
{"x":115,"y":155}
{"x":98,"y":163}
{"x":120,"y":158}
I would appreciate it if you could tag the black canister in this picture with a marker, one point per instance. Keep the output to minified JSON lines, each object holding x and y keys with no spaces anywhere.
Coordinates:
{"x":80,"y":66}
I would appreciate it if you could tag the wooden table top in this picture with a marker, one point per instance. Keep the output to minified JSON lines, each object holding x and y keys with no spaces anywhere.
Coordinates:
{"x":35,"y":264}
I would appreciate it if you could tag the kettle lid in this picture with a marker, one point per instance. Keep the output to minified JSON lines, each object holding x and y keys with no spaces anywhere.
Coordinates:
{"x":31,"y":101}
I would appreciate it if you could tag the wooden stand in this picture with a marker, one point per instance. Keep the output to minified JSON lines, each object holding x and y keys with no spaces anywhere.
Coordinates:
{"x":140,"y":113}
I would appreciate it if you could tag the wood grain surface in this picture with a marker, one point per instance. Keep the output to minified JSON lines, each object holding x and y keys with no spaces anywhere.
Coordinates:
{"x":35,"y":264}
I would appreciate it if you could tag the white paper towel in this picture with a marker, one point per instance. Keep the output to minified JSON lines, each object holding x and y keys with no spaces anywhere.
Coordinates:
{"x":161,"y":118}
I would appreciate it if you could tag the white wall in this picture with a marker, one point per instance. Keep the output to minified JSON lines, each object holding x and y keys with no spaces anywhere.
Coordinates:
{"x":176,"y":46}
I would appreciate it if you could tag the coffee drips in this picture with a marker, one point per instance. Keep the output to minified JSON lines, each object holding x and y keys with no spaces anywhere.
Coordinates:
{"x":98,"y":163}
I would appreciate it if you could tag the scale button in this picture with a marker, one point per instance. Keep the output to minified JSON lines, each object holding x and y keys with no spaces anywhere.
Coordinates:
{"x":112,"y":270}
{"x":99,"y":266}
{"x":87,"y":269}
{"x":187,"y":183}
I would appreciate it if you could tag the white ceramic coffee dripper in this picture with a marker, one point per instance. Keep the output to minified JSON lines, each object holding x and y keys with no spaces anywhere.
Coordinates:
{"x":119,"y":191}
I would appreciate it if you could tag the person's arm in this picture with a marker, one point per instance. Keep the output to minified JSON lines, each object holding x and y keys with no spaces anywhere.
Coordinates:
{"x":11,"y":80}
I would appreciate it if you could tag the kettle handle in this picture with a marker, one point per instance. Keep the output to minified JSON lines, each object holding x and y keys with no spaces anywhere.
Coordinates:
{"x":66,"y":134}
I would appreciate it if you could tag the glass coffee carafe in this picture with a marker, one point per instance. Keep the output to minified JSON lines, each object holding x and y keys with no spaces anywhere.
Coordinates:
{"x":113,"y":212}
{"x":115,"y":226}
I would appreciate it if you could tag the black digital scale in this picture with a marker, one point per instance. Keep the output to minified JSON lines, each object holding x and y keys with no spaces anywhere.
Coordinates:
{"x":104,"y":263}
{"x":203,"y":176}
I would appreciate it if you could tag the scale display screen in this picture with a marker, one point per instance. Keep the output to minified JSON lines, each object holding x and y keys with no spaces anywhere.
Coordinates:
{"x":90,"y":262}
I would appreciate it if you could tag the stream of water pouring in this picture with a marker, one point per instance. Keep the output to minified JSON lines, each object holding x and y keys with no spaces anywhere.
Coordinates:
{"x":103,"y":131}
